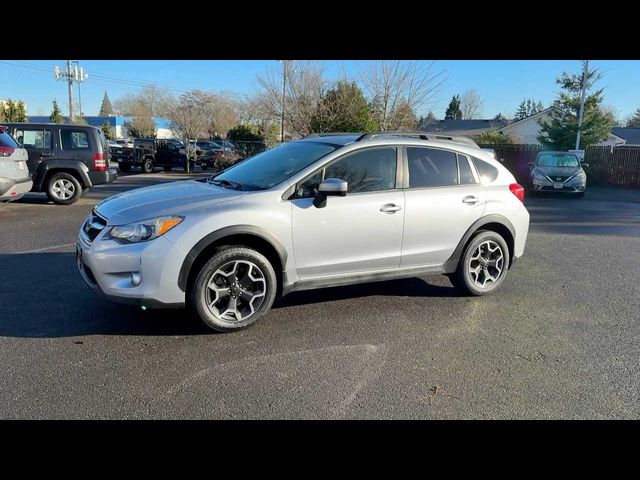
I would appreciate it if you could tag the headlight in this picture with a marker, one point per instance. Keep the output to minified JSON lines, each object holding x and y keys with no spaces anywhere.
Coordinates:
{"x":144,"y":230}
{"x":579,"y":178}
{"x":540,"y":177}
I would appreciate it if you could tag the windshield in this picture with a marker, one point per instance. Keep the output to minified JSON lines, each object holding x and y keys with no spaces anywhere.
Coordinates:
{"x":274,"y":166}
{"x":555,"y":160}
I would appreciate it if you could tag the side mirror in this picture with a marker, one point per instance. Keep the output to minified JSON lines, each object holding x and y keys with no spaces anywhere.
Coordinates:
{"x":584,"y":165}
{"x":330,"y":187}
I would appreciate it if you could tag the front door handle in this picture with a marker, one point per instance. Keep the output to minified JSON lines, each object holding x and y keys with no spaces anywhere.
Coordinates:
{"x":390,"y":208}
{"x":46,"y":154}
{"x":470,"y":200}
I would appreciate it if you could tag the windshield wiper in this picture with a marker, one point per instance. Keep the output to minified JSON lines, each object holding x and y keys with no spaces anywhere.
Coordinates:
{"x":225,"y":183}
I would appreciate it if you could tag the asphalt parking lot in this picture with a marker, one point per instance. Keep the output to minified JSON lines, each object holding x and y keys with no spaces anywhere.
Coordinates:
{"x":561,"y":339}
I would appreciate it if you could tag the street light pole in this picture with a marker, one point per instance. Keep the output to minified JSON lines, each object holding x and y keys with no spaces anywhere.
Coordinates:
{"x":284,"y":99}
{"x":70,"y":82}
{"x":582,"y":96}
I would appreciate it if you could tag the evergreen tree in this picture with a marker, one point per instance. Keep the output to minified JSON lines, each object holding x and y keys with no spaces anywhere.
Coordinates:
{"x":106,"y":109}
{"x":527,"y":108}
{"x":56,"y":114}
{"x":343,"y":109}
{"x":453,"y":110}
{"x":106,"y":129}
{"x":560,"y":133}
{"x":13,"y":111}
{"x":431,"y":117}
{"x":522,"y":111}
{"x":500,"y":118}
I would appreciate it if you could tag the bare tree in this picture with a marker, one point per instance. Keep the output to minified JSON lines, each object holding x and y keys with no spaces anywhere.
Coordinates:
{"x":304,"y":89}
{"x":395,"y":85}
{"x":471,"y":104}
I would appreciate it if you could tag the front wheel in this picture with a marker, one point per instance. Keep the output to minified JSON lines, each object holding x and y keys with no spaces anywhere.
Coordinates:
{"x":147,"y":165}
{"x":483,"y":265}
{"x":233,"y":289}
{"x":63,"y":188}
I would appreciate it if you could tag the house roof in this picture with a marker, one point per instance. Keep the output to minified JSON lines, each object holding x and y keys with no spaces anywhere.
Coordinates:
{"x":630,"y":135}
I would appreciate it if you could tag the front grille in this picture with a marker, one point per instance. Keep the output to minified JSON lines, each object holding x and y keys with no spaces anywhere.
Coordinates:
{"x":559,"y":178}
{"x":93,"y":226}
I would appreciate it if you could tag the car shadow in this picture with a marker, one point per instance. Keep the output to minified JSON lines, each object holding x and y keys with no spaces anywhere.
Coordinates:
{"x":43,"y":296}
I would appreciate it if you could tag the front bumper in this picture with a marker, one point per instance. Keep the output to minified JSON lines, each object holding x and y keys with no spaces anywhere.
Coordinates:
{"x":108,"y":176}
{"x":538,"y":185}
{"x":144,"y":274}
{"x":14,"y":189}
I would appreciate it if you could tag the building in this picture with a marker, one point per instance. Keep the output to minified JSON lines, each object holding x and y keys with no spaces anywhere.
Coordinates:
{"x":629,"y":136}
{"x":117,"y":124}
{"x":523,"y":131}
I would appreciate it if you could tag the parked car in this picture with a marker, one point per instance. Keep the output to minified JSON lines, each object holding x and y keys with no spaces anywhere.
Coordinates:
{"x":64,"y":160}
{"x":148,"y":153}
{"x":15,"y":179}
{"x":558,"y":172}
{"x":353,"y":208}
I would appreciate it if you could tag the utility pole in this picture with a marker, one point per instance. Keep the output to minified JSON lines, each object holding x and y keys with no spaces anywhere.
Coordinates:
{"x":583,"y":92}
{"x":284,"y":98}
{"x":71,"y":75}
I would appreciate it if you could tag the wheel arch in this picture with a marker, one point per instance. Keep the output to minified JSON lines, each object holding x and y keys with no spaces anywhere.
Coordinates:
{"x":237,"y":235}
{"x":495,"y":223}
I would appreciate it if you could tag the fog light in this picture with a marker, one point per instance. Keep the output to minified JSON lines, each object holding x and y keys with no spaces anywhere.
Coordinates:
{"x":135,"y":279}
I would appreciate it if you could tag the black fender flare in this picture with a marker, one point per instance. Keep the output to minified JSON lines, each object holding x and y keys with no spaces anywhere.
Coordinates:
{"x":51,"y":165}
{"x":212,"y":237}
{"x":451,"y":264}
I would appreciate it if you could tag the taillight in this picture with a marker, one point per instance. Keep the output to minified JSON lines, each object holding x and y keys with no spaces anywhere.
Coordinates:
{"x":6,"y":151}
{"x":99,"y":162}
{"x":517,"y":190}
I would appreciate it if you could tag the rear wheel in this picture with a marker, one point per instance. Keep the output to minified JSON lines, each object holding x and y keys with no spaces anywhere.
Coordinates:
{"x":483,"y":265}
{"x":63,"y":188}
{"x":124,"y":167}
{"x":147,"y":165}
{"x":233,"y":289}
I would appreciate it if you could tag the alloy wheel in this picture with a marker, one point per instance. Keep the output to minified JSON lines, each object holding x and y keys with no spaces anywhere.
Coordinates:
{"x":486,"y":264}
{"x":63,"y":189}
{"x":236,"y":290}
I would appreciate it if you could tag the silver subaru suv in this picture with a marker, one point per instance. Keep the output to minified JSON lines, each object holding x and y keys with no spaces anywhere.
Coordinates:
{"x":326,"y":210}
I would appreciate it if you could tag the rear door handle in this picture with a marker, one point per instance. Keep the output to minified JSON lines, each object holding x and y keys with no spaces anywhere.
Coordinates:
{"x":45,"y":154}
{"x":390,"y":208}
{"x":470,"y":200}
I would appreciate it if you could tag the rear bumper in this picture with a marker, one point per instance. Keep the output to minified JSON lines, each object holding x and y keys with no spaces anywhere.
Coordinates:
{"x":14,"y":189}
{"x":108,"y":176}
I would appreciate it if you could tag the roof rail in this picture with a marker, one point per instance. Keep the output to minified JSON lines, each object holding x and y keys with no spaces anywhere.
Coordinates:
{"x":329,"y":134}
{"x":420,"y":134}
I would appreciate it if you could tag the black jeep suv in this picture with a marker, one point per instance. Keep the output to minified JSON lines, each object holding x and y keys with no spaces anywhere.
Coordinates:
{"x":64,"y":160}
{"x":149,"y":153}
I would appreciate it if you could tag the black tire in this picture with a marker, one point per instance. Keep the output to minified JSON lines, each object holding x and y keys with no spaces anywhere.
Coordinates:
{"x":167,"y":169}
{"x":70,"y":183}
{"x":124,"y":167}
{"x":147,"y":165}
{"x":462,"y":278}
{"x":199,"y":294}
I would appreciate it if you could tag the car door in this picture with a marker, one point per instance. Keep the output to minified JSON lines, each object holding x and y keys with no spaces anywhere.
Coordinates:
{"x":359,"y":232}
{"x":38,"y":143}
{"x":443,"y":197}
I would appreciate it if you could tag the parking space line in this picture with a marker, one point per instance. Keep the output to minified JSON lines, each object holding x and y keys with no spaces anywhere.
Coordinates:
{"x":43,"y":249}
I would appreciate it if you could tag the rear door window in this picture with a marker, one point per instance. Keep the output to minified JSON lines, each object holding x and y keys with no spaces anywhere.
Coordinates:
{"x":74,"y":139}
{"x":431,"y":167}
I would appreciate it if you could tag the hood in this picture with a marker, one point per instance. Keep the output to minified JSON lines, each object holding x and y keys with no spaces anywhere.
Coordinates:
{"x":166,"y":199}
{"x":558,"y":171}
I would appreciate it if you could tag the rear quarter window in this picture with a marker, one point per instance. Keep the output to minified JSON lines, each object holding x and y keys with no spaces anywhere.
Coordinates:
{"x":7,"y":140}
{"x":487,"y":172}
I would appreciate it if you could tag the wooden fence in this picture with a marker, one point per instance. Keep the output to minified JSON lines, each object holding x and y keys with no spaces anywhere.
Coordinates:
{"x":607,"y":165}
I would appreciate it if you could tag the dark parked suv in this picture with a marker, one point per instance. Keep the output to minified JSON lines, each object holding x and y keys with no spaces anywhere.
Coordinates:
{"x":64,"y":160}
